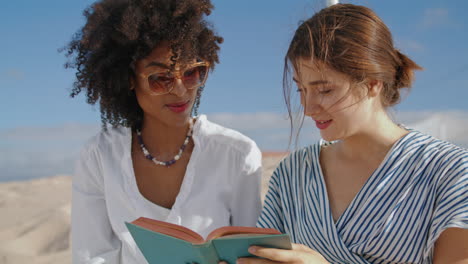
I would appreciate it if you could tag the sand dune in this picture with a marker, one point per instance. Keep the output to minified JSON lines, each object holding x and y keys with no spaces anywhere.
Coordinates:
{"x":269,"y":163}
{"x":35,"y":222}
{"x":35,"y":217}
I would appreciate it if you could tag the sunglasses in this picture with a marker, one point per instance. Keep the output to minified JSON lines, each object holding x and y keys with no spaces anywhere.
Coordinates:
{"x":192,"y":76}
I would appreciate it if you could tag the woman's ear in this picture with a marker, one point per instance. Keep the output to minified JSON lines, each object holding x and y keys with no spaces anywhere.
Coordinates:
{"x":132,"y":83}
{"x":375,"y":87}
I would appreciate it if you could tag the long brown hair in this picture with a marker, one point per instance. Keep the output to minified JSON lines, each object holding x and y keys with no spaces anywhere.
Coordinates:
{"x":353,"y":40}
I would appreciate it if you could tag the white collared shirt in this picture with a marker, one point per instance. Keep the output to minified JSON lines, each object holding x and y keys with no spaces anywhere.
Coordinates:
{"x":221,"y":187}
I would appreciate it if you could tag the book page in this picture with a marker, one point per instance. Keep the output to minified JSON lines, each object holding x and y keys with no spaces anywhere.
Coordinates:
{"x":169,"y":229}
{"x":239,"y":230}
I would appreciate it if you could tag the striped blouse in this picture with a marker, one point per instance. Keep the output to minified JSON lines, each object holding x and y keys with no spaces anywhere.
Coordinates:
{"x":419,"y":190}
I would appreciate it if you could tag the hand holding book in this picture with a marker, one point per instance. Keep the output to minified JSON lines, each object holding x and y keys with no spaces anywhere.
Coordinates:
{"x":162,"y":242}
{"x":298,"y":254}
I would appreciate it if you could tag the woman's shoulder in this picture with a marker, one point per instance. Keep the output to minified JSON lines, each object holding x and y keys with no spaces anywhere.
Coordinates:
{"x":303,"y":157}
{"x":439,"y":150}
{"x":217,"y":134}
{"x":99,"y":152}
{"x":108,"y":139}
{"x":441,"y":162}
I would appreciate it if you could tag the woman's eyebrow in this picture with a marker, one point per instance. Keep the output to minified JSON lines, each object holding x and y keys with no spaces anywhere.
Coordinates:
{"x":319,"y":82}
{"x":157,"y":64}
{"x":314,"y":82}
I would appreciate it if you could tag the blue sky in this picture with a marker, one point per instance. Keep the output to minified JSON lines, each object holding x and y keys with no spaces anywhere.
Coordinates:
{"x":247,"y":82}
{"x":35,"y":85}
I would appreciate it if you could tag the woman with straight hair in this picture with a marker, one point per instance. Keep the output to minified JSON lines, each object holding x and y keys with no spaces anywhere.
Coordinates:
{"x":371,"y":191}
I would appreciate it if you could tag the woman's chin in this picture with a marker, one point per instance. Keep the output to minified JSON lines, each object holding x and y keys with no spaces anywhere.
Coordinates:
{"x":328,"y":136}
{"x":181,"y":120}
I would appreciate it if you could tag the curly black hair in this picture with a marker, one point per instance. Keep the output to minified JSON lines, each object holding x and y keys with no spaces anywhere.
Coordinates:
{"x":117,"y":33}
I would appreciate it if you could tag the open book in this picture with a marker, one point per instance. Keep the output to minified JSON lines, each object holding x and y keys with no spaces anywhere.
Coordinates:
{"x":162,"y":242}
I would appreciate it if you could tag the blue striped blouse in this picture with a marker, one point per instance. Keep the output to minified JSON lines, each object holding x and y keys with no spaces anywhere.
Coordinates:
{"x":419,"y":190}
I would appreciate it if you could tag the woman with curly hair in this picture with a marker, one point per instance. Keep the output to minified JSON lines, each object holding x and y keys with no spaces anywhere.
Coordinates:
{"x":146,"y":63}
{"x":371,"y":191}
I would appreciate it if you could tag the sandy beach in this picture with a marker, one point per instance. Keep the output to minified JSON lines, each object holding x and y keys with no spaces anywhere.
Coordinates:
{"x":35,"y":217}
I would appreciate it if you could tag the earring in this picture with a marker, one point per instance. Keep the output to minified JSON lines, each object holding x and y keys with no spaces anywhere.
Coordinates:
{"x":196,"y":104}
{"x":131,"y":89}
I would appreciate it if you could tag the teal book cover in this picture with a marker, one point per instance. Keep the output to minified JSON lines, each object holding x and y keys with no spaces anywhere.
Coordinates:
{"x":162,"y":242}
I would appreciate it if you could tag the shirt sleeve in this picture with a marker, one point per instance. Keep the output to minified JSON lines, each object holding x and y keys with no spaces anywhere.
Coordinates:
{"x":246,"y":201}
{"x":272,"y":215}
{"x":451,"y":205}
{"x":93,"y":240}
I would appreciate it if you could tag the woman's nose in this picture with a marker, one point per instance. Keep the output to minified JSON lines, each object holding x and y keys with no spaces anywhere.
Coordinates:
{"x":179,"y":88}
{"x":312,"y":106}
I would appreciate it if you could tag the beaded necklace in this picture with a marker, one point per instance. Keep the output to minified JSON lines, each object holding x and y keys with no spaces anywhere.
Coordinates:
{"x":176,"y":157}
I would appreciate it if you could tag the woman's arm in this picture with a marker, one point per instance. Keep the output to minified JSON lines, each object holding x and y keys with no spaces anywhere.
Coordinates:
{"x":449,"y":227}
{"x":452,"y":247}
{"x":93,"y":240}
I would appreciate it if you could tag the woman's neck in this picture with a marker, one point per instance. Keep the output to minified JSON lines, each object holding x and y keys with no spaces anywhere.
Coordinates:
{"x":163,"y":140}
{"x":372,"y":144}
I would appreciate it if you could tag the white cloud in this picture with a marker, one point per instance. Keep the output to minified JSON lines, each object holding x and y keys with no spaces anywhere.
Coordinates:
{"x":435,"y":17}
{"x":409,"y":45}
{"x":68,"y":131}
{"x":251,"y":121}
{"x":269,"y":130}
{"x":450,"y":125}
{"x":32,"y":152}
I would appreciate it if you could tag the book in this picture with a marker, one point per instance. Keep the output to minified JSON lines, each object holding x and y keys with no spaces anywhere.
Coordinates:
{"x":162,"y":242}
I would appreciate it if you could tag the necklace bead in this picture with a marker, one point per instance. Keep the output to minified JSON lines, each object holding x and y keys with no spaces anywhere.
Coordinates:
{"x":176,"y":157}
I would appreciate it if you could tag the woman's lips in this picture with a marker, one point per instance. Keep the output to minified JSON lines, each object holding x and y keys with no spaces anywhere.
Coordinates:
{"x":178,"y":107}
{"x":323,"y":124}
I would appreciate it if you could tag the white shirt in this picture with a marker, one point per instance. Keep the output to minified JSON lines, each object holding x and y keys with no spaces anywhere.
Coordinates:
{"x":221,"y":187}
